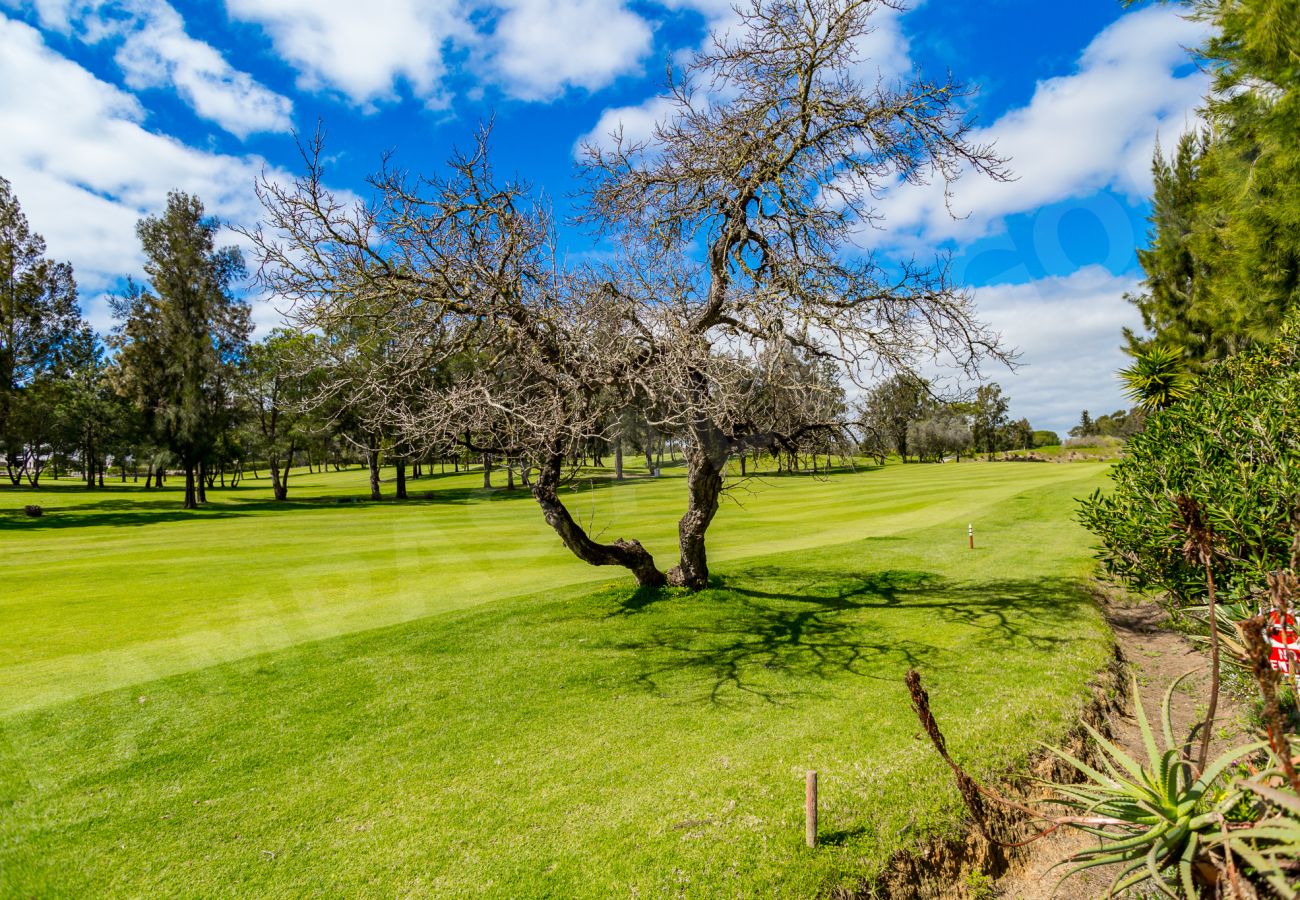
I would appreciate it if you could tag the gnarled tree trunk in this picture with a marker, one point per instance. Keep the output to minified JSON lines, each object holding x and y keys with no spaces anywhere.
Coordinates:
{"x":628,"y":554}
{"x":706,"y":460}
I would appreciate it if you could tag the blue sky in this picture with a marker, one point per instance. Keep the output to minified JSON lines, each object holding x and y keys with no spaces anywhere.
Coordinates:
{"x":108,"y":104}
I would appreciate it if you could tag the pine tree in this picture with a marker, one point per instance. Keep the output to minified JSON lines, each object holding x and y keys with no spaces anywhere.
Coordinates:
{"x":179,"y":342}
{"x":39,"y":316}
{"x":1223,"y":262}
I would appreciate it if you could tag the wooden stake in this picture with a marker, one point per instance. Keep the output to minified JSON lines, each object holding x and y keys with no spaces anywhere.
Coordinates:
{"x":970,"y":532}
{"x":810,"y":810}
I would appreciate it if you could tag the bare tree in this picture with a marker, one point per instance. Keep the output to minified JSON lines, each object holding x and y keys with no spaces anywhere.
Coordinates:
{"x":492,"y":342}
{"x":771,"y":159}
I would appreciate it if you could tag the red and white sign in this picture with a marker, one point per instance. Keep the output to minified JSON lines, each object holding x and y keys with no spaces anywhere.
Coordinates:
{"x":1284,"y":643}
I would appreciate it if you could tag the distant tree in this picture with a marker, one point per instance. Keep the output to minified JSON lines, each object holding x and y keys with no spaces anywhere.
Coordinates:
{"x":989,"y":417}
{"x":274,"y":383}
{"x":178,"y":343}
{"x":1085,"y":428}
{"x":942,"y":433}
{"x":40,"y":323}
{"x":1046,"y":439}
{"x":91,"y":416}
{"x":32,"y":435}
{"x":892,"y":406}
{"x":1122,"y":423}
{"x":1018,"y":435}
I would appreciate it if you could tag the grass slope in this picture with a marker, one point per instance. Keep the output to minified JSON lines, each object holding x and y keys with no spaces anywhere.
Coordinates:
{"x":576,"y":743}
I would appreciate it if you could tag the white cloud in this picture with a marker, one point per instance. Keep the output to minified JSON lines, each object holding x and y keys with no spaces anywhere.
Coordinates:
{"x":361,"y":49}
{"x":540,"y":47}
{"x":531,"y":49}
{"x":160,"y":53}
{"x":156,"y":52}
{"x":1069,"y":332}
{"x":1091,"y":130}
{"x":87,"y":174}
{"x":636,"y":122}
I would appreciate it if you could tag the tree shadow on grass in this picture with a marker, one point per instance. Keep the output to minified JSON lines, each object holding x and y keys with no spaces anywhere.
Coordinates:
{"x":133,"y":505}
{"x":779,"y":635}
{"x":116,"y":512}
{"x":124,"y":506}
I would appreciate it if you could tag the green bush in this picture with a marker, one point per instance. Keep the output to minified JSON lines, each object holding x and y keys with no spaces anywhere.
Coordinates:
{"x":1234,"y":446}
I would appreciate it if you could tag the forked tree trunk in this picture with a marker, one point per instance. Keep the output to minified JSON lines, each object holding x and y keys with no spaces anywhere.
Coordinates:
{"x":279,"y":485}
{"x":628,"y":554}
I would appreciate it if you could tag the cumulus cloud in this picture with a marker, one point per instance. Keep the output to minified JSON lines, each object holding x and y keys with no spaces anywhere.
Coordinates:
{"x":155,"y":51}
{"x":540,"y":47}
{"x":636,"y":123}
{"x":86,"y":175}
{"x":1091,"y":130}
{"x":361,"y":49}
{"x":530,"y":49}
{"x":1068,"y":330}
{"x":161,"y":54}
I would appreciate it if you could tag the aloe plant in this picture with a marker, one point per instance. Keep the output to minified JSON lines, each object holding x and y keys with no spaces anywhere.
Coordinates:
{"x":1270,"y":846}
{"x":1153,"y":818}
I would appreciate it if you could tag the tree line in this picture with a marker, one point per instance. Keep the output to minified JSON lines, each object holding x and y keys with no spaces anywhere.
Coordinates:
{"x":903,"y":415}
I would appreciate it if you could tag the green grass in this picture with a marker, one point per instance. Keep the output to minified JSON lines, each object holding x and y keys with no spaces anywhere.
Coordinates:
{"x":432,"y":698}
